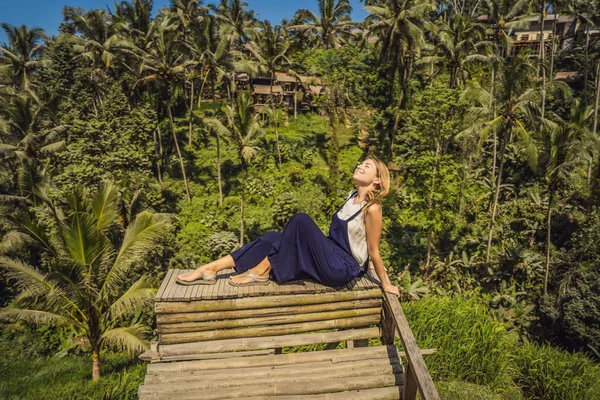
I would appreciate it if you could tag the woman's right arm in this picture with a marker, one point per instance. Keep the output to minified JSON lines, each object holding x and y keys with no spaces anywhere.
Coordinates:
{"x":374,"y":222}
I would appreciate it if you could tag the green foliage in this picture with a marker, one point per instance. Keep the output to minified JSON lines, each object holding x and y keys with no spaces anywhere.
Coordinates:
{"x":68,"y":378}
{"x":544,"y":372}
{"x":470,"y":345}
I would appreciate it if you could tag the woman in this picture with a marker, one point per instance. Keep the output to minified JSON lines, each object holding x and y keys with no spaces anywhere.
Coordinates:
{"x":301,"y":251}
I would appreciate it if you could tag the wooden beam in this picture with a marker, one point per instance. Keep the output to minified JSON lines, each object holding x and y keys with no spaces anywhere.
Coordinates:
{"x":284,"y":329}
{"x":241,"y":376}
{"x":264,"y":302}
{"x":268,"y":320}
{"x":332,"y":356}
{"x":283,"y":388}
{"x":413,"y":355}
{"x":263,"y":312}
{"x":266,"y":342}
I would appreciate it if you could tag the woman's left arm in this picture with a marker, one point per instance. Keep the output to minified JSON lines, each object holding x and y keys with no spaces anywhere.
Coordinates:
{"x":373,"y":224}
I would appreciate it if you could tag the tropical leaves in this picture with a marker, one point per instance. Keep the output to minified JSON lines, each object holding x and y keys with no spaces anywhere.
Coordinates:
{"x":85,"y":285}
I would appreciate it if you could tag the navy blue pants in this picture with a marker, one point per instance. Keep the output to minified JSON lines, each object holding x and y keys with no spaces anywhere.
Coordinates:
{"x":301,"y":251}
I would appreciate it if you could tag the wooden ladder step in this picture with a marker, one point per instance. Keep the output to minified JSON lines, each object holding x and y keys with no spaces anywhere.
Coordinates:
{"x":325,"y":368}
{"x":385,"y":393}
{"x":265,"y":342}
{"x":332,"y":356}
{"x":302,"y":385}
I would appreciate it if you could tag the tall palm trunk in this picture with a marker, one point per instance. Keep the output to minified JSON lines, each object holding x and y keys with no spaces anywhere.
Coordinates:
{"x":595,"y":123}
{"x":160,"y":148}
{"x":212,"y":88}
{"x":243,"y":200}
{"x":157,"y":153}
{"x":185,"y":182}
{"x":191,"y":123}
{"x":543,"y":56}
{"x":586,"y":61}
{"x":493,"y":107}
{"x":597,"y":98}
{"x":548,"y":233}
{"x":95,"y":363}
{"x":277,"y":142}
{"x":552,"y":43}
{"x":496,"y":195}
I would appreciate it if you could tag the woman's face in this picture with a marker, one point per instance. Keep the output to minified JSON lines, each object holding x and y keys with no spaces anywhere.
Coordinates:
{"x":365,"y":173}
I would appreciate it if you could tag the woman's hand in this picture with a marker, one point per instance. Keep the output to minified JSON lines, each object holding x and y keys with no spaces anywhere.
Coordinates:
{"x":390,"y":289}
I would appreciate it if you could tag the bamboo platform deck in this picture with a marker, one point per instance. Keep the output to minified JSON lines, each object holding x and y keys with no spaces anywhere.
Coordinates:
{"x":224,"y":342}
{"x":170,"y":291}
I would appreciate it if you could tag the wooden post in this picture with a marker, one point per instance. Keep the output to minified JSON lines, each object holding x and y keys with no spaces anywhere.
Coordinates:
{"x":387,"y":327}
{"x":409,"y":391}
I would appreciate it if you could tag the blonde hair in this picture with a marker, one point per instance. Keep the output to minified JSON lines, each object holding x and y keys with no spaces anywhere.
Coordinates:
{"x":374,"y":196}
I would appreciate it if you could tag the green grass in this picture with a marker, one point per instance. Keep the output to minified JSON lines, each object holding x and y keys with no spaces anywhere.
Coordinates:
{"x":70,"y":378}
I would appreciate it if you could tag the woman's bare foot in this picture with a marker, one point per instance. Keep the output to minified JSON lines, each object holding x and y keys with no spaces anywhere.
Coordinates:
{"x":208,"y":270}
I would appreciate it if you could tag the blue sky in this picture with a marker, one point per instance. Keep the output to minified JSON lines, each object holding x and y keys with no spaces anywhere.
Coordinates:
{"x":46,"y":14}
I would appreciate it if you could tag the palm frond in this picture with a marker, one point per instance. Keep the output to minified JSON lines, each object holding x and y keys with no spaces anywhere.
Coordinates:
{"x":140,"y":238}
{"x":131,"y":338}
{"x":35,"y":316}
{"x":139,"y":295}
{"x":105,"y":206}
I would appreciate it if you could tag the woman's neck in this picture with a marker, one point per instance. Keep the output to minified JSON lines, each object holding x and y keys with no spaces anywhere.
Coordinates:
{"x":362,"y":192}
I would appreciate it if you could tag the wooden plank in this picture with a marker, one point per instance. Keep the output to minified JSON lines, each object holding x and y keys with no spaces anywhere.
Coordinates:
{"x":220,"y":289}
{"x":196,"y":292}
{"x":173,"y":286}
{"x":415,"y":359}
{"x":310,"y":286}
{"x":267,"y":301}
{"x":291,"y":359}
{"x":163,"y":285}
{"x":213,"y":356}
{"x":284,"y":388}
{"x":385,"y":393}
{"x":267,"y":378}
{"x":284,"y":329}
{"x":268,"y":320}
{"x":266,"y":342}
{"x":241,"y":376}
{"x":179,"y":294}
{"x":290,"y":310}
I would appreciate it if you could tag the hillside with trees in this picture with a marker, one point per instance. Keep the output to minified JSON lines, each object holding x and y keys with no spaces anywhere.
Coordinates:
{"x":137,"y":140}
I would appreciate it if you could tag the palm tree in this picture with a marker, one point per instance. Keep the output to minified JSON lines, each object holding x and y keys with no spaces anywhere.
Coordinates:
{"x":86,"y":285}
{"x":269,"y":49}
{"x":275,"y":115}
{"x":243,"y":127}
{"x":99,"y":44}
{"x":565,"y":145}
{"x":398,"y":27}
{"x":213,"y":53}
{"x":458,"y":44}
{"x":329,"y":27}
{"x":235,"y":22}
{"x":23,"y":55}
{"x":164,"y":63}
{"x":515,"y":104}
{"x":24,"y":136}
{"x":134,"y":18}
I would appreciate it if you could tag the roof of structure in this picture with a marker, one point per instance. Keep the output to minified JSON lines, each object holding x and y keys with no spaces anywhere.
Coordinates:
{"x":266,"y":89}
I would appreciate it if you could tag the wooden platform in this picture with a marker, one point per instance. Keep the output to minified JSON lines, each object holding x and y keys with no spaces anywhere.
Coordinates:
{"x":171,"y":291}
{"x":225,"y":342}
{"x":361,"y":373}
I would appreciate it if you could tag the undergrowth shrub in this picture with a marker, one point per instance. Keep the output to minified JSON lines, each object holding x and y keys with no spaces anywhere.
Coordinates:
{"x":545,"y":372}
{"x":470,"y":345}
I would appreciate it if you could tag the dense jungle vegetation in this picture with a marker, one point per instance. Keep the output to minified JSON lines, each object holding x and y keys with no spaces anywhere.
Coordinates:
{"x":127,"y":149}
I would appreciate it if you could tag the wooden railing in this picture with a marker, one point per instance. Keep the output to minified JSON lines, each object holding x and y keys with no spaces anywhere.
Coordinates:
{"x":416,"y":375}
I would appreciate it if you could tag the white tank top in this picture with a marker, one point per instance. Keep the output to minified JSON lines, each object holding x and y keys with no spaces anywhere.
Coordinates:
{"x":357,"y":235}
